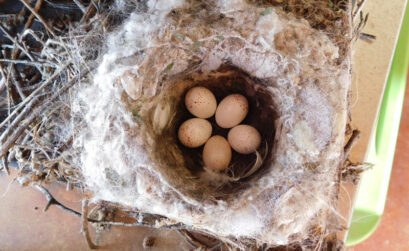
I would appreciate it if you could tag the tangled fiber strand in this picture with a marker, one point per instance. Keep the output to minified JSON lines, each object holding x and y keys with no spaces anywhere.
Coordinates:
{"x":38,"y":129}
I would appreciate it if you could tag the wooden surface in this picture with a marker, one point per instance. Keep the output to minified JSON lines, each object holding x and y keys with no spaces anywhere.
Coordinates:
{"x":23,"y":227}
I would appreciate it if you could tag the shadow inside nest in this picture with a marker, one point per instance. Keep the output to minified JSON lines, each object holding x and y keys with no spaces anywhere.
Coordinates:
{"x":262,"y":115}
{"x":243,"y":169}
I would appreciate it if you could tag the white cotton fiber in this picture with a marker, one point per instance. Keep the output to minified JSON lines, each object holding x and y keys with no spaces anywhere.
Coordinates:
{"x":129,"y":154}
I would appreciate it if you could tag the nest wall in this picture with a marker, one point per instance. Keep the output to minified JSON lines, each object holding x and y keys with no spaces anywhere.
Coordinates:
{"x":297,"y":80}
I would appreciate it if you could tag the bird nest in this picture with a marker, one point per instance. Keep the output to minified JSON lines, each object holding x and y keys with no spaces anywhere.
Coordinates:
{"x":106,"y":98}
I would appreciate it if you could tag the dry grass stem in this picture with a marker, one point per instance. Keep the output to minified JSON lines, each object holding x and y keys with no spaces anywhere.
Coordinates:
{"x":356,"y":135}
{"x":35,"y":93}
{"x":40,"y":18}
{"x":84,"y":223}
{"x":11,"y":139}
{"x":21,"y":47}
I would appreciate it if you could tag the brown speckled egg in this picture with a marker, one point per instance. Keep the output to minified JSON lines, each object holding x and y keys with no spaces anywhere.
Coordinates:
{"x":217,"y":153}
{"x":194,"y":132}
{"x":232,"y":110}
{"x":201,"y":102}
{"x":244,"y":139}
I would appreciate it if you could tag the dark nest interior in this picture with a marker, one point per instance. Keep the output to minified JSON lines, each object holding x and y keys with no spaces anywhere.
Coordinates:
{"x":228,"y":80}
{"x":36,"y":73}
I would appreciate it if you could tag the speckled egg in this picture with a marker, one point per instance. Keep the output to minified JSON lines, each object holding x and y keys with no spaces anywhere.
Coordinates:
{"x":194,"y":132}
{"x":201,"y":102}
{"x":232,"y":110}
{"x":244,"y":139}
{"x":217,"y":153}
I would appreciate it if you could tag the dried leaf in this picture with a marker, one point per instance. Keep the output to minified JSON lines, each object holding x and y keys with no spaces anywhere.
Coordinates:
{"x":196,"y":45}
{"x":136,"y":116}
{"x":180,"y":36}
{"x":266,"y":11}
{"x":169,"y":67}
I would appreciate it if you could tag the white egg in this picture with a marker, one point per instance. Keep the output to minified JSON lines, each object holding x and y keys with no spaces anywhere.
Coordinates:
{"x":200,"y":102}
{"x":244,"y":139}
{"x":217,"y":153}
{"x":232,"y":110}
{"x":194,"y":132}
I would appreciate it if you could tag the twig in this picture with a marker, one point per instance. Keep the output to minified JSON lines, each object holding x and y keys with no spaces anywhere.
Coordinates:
{"x":17,"y":82}
{"x":18,"y":118}
{"x":2,"y":84}
{"x":142,"y":222}
{"x":96,"y":4}
{"x":350,"y":172}
{"x":22,"y":13}
{"x":9,"y":36}
{"x":91,"y":10}
{"x":33,"y":94}
{"x":18,"y":131}
{"x":32,"y":33}
{"x":193,"y":242}
{"x":6,"y":85}
{"x":362,"y":22}
{"x":367,"y":37}
{"x":5,"y":163}
{"x":16,"y":51}
{"x":3,"y":79}
{"x":52,"y":201}
{"x":82,"y":8}
{"x":10,"y":15}
{"x":359,"y":7}
{"x":33,"y":63}
{"x":40,"y":18}
{"x":356,"y":135}
{"x":31,"y":17}
{"x":84,"y":223}
{"x":33,"y":82}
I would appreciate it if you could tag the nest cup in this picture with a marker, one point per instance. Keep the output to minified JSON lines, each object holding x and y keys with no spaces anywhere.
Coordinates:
{"x":296,"y":87}
{"x":183,"y":167}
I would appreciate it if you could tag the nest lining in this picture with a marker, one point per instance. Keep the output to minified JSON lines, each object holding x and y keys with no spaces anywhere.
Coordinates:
{"x":131,"y":155}
{"x":224,"y":81}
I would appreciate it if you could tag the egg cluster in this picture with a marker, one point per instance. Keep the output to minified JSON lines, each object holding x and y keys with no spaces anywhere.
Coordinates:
{"x":230,"y":112}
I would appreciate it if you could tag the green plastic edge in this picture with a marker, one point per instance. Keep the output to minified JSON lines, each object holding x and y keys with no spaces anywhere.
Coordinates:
{"x":373,"y":188}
